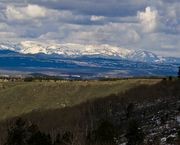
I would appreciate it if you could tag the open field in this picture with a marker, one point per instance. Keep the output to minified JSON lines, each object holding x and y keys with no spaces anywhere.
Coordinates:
{"x":17,"y":98}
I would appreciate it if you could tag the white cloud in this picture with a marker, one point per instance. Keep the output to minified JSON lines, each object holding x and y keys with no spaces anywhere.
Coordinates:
{"x":111,"y":33}
{"x":124,"y":24}
{"x":28,"y":12}
{"x":148,"y":19}
{"x":35,"y":11}
{"x":3,"y":26}
{"x":97,"y":18}
{"x":7,"y":35}
{"x":13,"y":13}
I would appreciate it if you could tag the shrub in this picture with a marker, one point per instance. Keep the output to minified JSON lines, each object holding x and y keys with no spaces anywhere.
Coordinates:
{"x":104,"y":134}
{"x":134,"y":134}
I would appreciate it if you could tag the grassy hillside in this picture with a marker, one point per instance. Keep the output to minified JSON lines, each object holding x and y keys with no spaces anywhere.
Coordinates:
{"x":18,"y":98}
{"x":152,"y":111}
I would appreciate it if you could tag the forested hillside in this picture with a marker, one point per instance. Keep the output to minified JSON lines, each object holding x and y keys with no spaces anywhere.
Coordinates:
{"x":143,"y":115}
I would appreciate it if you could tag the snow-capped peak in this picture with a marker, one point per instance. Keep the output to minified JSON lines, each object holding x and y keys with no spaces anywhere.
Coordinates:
{"x":76,"y":50}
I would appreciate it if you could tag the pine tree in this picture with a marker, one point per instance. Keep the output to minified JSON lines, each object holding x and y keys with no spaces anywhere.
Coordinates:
{"x":134,"y":134}
{"x":22,"y":133}
{"x":17,"y":133}
{"x":105,"y":133}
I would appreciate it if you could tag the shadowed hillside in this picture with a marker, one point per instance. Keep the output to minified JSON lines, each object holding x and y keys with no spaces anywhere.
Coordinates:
{"x":146,"y":113}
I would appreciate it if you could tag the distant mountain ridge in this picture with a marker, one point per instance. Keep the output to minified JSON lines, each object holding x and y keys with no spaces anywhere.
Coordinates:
{"x":79,"y":50}
{"x":82,"y":61}
{"x":88,"y":67}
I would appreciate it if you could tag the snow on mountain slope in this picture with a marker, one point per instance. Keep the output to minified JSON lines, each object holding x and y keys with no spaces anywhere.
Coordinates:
{"x":70,"y":49}
{"x":77,"y":50}
{"x":145,"y":56}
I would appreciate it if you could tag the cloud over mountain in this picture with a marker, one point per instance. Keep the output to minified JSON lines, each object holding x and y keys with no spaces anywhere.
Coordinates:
{"x":148,"y":19}
{"x":137,"y":24}
{"x":27,"y":12}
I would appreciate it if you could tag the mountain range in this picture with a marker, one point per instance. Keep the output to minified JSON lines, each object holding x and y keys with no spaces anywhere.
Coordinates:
{"x":78,"y":50}
{"x":82,"y":60}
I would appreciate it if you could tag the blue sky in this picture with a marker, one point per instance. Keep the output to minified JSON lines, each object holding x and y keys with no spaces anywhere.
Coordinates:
{"x":152,"y":25}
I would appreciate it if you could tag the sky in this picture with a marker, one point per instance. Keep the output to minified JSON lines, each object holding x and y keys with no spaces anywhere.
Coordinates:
{"x":151,"y":25}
